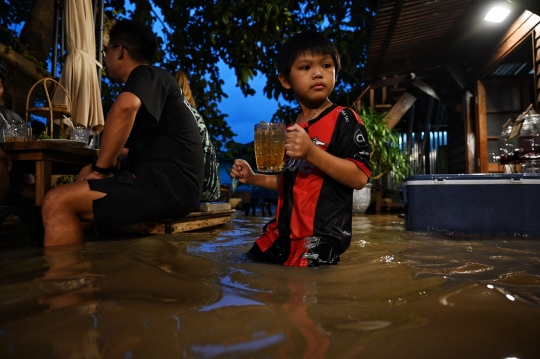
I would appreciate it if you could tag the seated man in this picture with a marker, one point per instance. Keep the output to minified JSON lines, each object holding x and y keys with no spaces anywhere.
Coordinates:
{"x":162,"y":175}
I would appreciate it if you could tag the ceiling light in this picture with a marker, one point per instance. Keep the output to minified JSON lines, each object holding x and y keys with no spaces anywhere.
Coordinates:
{"x":497,"y":14}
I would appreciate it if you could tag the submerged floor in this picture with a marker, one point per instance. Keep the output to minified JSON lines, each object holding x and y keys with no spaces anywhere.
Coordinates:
{"x":396,"y":294}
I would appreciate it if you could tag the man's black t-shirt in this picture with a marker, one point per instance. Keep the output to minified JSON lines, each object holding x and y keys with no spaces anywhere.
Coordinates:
{"x":164,"y":144}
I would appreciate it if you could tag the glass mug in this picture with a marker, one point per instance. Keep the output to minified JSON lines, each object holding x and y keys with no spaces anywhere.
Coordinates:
{"x":269,"y":146}
{"x":80,"y":134}
{"x":16,"y":131}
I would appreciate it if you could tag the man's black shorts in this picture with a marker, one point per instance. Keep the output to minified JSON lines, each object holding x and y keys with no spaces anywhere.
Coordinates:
{"x":129,"y":200}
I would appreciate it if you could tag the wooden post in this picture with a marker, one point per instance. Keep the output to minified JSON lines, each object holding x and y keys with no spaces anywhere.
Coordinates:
{"x":481,"y":128}
{"x":423,"y":163}
{"x":468,"y":132}
{"x":536,"y":66}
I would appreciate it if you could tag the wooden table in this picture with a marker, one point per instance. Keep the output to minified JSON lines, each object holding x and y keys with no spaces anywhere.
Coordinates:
{"x":45,"y":158}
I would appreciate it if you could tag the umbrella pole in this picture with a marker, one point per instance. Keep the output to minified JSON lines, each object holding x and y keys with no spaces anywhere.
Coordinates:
{"x":55,"y":47}
{"x":99,"y":5}
{"x":97,"y":136}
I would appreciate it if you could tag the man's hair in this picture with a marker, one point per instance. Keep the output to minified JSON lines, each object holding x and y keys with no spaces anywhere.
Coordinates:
{"x":137,"y":38}
{"x":305,"y":43}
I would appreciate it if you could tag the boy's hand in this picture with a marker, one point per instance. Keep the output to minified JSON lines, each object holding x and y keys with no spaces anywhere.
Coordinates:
{"x":298,"y":143}
{"x":242,"y":171}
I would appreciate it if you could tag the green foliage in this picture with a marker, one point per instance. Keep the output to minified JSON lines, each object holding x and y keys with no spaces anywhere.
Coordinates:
{"x":198,"y":36}
{"x":14,"y":12}
{"x":386,"y":156}
{"x":246,"y":35}
{"x":65,"y":179}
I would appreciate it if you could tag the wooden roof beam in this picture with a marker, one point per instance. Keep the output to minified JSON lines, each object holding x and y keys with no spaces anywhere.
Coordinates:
{"x":389,"y":34}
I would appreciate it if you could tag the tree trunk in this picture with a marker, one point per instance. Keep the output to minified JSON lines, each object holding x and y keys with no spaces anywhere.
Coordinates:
{"x":37,"y":37}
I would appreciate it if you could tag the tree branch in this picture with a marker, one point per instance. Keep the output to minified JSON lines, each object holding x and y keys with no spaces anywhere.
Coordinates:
{"x":22,"y":63}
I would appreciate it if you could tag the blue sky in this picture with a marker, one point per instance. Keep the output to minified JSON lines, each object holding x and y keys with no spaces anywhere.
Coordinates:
{"x":245,"y":112}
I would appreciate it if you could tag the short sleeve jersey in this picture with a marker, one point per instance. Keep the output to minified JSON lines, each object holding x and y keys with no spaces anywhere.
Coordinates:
{"x":314,"y":215}
{"x":164,"y":143}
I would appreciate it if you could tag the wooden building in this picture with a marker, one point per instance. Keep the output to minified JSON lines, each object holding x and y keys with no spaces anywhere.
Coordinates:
{"x":439,"y":67}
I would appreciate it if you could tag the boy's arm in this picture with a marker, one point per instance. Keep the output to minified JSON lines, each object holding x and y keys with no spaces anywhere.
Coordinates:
{"x":242,"y":171}
{"x":299,"y":145}
{"x":118,"y":126}
{"x":344,"y":171}
{"x":266,"y":181}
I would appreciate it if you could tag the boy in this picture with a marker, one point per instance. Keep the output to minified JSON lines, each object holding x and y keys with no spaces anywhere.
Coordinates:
{"x":328,"y":144}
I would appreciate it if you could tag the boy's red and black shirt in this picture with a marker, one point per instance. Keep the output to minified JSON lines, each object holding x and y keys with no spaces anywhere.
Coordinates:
{"x":314,"y":210}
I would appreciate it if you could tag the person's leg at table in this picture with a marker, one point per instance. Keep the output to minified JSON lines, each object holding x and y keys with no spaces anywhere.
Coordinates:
{"x":64,"y":209}
{"x":120,"y":200}
{"x":5,"y":167}
{"x":4,"y":181}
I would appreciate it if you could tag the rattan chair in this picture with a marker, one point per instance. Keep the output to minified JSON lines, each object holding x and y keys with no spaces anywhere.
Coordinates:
{"x":51,"y":111}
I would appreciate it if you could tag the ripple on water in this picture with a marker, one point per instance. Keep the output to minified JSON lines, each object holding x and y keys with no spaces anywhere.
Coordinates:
{"x":396,"y":294}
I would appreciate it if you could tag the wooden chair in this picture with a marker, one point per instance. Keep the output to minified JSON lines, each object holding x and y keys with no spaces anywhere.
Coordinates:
{"x":262,"y":198}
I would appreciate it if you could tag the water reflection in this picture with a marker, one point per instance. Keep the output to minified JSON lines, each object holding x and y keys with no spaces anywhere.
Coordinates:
{"x":195,"y":295}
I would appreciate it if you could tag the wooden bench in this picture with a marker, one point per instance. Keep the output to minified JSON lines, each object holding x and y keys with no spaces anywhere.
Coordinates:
{"x":261,"y":198}
{"x":193,"y":221}
{"x":210,"y":215}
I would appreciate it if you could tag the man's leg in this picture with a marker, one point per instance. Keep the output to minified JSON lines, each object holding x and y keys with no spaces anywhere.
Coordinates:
{"x":4,"y":181}
{"x":64,"y":209}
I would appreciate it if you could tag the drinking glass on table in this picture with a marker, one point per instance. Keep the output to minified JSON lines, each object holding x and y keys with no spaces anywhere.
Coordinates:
{"x":15,"y":131}
{"x":80,"y":134}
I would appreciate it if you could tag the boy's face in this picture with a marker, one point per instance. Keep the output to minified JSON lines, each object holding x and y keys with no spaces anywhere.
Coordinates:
{"x":312,"y":78}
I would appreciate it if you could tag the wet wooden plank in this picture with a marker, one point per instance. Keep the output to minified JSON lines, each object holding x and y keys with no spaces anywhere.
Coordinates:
{"x":190,"y":225}
{"x":193,"y":221}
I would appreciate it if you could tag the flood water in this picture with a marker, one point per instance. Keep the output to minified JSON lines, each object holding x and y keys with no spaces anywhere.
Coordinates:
{"x":396,"y":294}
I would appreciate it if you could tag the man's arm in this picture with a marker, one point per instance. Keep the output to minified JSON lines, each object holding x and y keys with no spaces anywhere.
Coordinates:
{"x":117,"y":128}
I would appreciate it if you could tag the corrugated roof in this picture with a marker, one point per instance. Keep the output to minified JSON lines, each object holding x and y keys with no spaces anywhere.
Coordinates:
{"x":417,"y":35}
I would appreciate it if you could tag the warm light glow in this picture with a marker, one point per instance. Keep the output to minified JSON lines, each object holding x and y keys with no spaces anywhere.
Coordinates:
{"x":497,"y":14}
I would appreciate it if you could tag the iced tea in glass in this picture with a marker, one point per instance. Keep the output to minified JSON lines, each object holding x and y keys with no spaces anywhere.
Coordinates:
{"x":269,"y":146}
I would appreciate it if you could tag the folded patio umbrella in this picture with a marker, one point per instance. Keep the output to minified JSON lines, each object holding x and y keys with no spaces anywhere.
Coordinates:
{"x":79,"y":74}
